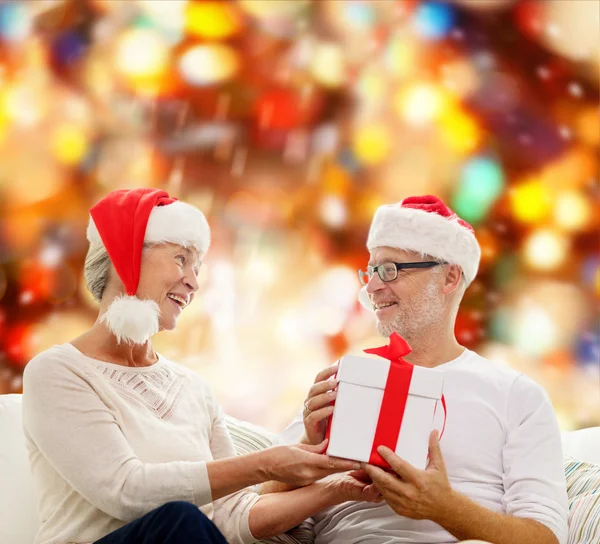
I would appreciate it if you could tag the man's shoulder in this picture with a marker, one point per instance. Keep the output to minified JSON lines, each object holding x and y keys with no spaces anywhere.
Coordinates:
{"x":472,"y":363}
{"x":488,"y":375}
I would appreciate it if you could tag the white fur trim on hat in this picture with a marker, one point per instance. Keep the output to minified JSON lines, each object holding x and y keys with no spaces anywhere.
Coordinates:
{"x":132,"y":319}
{"x":176,"y":223}
{"x":179,"y":223}
{"x":363,"y":298}
{"x":425,"y":232}
{"x":92,"y":233}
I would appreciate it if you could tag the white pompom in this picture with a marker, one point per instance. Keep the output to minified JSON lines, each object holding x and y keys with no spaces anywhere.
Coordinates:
{"x":363,"y":298}
{"x":132,"y":319}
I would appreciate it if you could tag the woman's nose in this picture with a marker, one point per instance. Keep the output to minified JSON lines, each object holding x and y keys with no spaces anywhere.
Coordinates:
{"x":191,"y":282}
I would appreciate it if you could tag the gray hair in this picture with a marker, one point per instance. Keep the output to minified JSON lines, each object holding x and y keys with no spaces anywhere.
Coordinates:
{"x":463,"y":281}
{"x":96,"y":270}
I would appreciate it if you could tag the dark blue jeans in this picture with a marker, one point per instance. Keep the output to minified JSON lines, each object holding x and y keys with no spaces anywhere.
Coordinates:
{"x":173,"y":523}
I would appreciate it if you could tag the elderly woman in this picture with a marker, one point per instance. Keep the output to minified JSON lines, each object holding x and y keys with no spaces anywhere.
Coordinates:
{"x":125,"y":445}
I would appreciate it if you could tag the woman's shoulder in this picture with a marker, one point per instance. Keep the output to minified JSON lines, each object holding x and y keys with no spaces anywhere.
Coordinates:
{"x":58,"y":360}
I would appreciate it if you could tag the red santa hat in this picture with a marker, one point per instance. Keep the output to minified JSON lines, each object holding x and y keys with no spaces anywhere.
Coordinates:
{"x":122,"y":222}
{"x":426,"y":225}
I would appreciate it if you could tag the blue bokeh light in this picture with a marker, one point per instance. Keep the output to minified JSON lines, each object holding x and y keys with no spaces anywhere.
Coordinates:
{"x":359,"y":14}
{"x":434,"y":20}
{"x":15,"y":21}
{"x":482,"y":182}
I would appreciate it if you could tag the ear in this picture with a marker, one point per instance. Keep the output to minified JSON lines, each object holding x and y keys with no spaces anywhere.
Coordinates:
{"x":114,"y":286}
{"x":452,"y":278}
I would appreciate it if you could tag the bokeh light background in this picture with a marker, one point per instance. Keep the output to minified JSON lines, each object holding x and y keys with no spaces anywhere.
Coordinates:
{"x":288,"y":123}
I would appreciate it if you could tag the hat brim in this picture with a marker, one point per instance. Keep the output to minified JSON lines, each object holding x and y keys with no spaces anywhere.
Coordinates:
{"x":177,"y":223}
{"x":428,"y":233}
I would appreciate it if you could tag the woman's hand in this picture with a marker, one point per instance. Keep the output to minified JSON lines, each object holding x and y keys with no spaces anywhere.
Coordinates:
{"x":302,"y":464}
{"x":352,"y":486}
{"x":317,"y":405}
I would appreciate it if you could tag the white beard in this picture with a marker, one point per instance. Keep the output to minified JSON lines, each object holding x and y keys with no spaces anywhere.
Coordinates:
{"x":423,"y":313}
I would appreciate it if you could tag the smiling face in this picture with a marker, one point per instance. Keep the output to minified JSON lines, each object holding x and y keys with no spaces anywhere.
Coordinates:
{"x":168,"y":276}
{"x":413,"y":302}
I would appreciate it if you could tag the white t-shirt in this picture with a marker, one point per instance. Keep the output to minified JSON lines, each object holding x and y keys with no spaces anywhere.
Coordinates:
{"x":109,"y":443}
{"x":502,"y":449}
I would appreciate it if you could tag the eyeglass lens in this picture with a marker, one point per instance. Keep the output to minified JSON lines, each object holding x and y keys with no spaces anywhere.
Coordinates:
{"x":387,"y":271}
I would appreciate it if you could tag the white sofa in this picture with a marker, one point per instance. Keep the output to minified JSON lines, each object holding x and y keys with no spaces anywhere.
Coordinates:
{"x":18,"y":517}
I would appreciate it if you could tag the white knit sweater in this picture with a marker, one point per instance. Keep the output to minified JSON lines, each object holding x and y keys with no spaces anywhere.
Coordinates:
{"x":109,"y":443}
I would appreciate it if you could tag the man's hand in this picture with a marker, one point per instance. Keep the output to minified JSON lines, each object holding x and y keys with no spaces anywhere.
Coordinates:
{"x":317,"y":407}
{"x":414,"y":493}
{"x":427,"y":494}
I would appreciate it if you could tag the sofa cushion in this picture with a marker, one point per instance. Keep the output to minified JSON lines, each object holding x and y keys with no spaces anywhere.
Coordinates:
{"x":583,"y":489}
{"x":248,"y":438}
{"x":583,"y":444}
{"x":18,"y":514}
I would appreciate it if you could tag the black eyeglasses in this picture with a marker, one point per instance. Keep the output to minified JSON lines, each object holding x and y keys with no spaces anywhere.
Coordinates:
{"x":389,"y":271}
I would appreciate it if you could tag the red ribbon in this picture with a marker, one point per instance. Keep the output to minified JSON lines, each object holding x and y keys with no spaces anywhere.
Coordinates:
{"x":395,"y":396}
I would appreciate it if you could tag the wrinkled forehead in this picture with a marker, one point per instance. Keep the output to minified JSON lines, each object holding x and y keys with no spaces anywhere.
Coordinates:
{"x":392,"y":254}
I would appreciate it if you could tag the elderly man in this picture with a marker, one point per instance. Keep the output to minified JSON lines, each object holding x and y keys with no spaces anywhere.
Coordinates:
{"x":497,"y":473}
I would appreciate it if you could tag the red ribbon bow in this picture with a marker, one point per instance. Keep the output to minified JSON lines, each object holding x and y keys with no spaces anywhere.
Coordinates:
{"x":394,"y":351}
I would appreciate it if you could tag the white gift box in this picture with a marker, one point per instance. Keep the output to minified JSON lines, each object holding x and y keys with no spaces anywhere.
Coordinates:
{"x":360,"y":391}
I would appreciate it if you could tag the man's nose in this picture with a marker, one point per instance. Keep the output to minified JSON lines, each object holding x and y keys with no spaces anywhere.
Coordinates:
{"x":374,"y":283}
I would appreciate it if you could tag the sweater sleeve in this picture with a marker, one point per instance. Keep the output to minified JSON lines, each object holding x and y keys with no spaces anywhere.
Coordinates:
{"x":74,"y":430}
{"x":534,"y":478}
{"x":232,"y":511}
{"x":292,"y":434}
